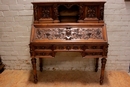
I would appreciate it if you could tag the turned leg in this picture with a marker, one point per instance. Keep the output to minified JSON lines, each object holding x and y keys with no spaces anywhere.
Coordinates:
{"x":34,"y":69}
{"x":103,"y":61}
{"x":41,"y":64}
{"x":96,"y":64}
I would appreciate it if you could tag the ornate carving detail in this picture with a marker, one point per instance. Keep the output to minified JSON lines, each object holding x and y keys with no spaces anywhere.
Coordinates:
{"x":80,"y":12}
{"x":68,"y":33}
{"x":44,"y":54}
{"x":105,"y":48}
{"x":56,"y":14}
{"x":69,"y":47}
{"x":68,"y":5}
{"x":101,"y":12}
{"x":46,"y":12}
{"x":93,"y":47}
{"x":47,"y":47}
{"x":35,"y":7}
{"x":91,"y":12}
{"x":31,"y":49}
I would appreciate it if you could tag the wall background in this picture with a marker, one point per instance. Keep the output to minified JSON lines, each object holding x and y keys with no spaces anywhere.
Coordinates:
{"x":15,"y":26}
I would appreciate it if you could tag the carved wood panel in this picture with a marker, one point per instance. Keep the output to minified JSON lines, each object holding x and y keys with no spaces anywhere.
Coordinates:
{"x":85,"y":50}
{"x":95,"y":50}
{"x":101,"y":12}
{"x":91,"y":12}
{"x":68,"y":47}
{"x":35,"y":7}
{"x":46,"y":12}
{"x":68,"y":33}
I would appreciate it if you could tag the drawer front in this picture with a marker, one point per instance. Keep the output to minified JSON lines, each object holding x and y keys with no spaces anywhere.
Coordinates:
{"x":96,"y":50}
{"x":86,"y":50}
{"x":68,"y":47}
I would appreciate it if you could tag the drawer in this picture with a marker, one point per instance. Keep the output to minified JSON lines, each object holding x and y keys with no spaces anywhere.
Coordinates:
{"x":68,"y":47}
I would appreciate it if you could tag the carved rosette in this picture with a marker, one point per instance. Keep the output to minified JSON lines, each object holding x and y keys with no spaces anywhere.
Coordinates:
{"x":91,"y":12}
{"x":46,"y":12}
{"x":68,"y":33}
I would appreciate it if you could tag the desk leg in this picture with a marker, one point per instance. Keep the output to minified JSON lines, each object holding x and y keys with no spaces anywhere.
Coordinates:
{"x":96,"y":64}
{"x":41,"y":64}
{"x":34,"y":69}
{"x":103,"y":61}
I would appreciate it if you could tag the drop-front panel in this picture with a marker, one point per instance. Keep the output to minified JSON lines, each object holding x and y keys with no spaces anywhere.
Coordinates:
{"x":68,"y":27}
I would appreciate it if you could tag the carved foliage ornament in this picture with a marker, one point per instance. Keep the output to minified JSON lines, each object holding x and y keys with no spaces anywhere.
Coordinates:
{"x":68,"y":33}
{"x":46,"y":12}
{"x":91,"y":11}
{"x":81,"y":12}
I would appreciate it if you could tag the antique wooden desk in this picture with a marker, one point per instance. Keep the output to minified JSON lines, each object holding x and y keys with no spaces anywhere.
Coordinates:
{"x":68,"y":27}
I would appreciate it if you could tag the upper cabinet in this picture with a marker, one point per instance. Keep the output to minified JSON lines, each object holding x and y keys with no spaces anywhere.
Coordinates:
{"x":68,"y":12}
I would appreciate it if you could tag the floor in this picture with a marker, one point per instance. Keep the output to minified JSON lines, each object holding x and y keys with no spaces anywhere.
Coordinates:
{"x":24,"y":78}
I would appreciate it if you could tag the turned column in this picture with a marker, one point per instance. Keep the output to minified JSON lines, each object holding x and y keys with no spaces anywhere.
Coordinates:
{"x":41,"y":64}
{"x":34,"y":69}
{"x":96,"y":64}
{"x":103,"y":61}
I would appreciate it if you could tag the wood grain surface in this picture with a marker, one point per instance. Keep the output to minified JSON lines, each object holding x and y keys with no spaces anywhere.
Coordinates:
{"x":24,"y":78}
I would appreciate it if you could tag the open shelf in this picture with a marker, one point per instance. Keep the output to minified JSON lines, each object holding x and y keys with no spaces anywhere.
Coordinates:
{"x":68,"y":14}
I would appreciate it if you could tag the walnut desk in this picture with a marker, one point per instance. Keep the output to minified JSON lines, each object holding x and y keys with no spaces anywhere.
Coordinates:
{"x":68,"y":27}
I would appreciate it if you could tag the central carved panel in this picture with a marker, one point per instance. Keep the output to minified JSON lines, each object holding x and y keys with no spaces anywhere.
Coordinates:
{"x":68,"y":33}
